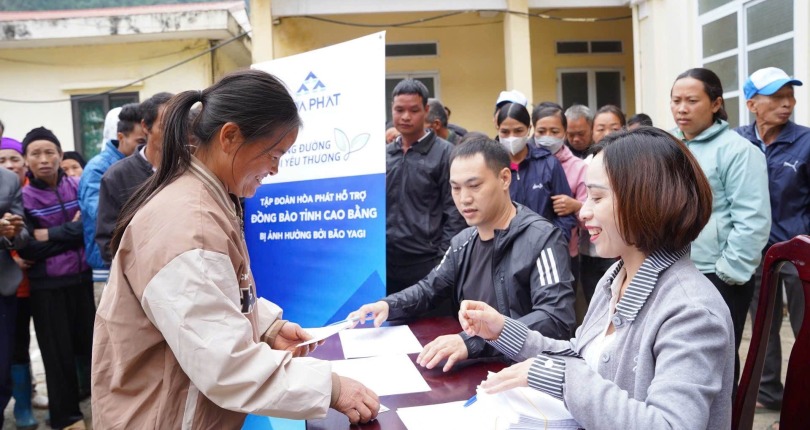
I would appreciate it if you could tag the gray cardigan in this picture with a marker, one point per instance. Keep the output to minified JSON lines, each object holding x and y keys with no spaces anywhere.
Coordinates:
{"x":11,"y":202}
{"x":671,"y":367}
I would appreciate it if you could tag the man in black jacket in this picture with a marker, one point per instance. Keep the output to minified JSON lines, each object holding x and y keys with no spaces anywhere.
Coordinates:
{"x":124,"y":177}
{"x":510,"y":257}
{"x":420,"y":215}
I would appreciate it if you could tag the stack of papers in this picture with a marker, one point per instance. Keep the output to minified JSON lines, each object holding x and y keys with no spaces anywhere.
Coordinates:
{"x":516,"y":409}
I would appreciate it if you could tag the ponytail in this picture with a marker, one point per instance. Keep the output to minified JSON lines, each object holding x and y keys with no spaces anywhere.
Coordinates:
{"x":254,"y":100}
{"x":174,"y":161}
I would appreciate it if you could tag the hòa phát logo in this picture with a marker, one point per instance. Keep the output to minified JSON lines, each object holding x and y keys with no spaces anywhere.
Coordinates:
{"x":312,"y":95}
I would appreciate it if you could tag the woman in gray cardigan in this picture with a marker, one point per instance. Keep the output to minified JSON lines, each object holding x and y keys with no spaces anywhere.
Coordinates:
{"x":656,"y":348}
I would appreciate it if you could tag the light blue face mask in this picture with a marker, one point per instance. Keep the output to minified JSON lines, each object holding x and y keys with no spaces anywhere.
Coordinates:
{"x":553,"y":144}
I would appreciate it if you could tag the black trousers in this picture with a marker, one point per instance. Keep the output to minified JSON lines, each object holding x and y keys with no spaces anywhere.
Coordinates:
{"x":63,"y":319}
{"x":22,"y":335}
{"x":738,"y":299}
{"x":591,"y":270}
{"x":8,"y":313}
{"x":770,"y":386}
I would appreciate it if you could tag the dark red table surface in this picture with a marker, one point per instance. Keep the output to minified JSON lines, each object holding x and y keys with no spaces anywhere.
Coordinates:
{"x":457,"y":384}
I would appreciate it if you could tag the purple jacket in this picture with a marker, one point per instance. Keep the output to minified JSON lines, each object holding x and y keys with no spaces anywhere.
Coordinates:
{"x":60,"y":260}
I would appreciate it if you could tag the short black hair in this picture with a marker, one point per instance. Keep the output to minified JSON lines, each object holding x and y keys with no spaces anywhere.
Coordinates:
{"x":547,"y":109}
{"x":663,"y":200}
{"x":641,"y":119}
{"x":151,"y":106}
{"x":436,"y":111}
{"x":494,"y":153}
{"x":129,"y":117}
{"x":411,"y":86}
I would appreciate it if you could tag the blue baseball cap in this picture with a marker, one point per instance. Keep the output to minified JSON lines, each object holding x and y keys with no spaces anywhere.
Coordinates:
{"x":767,"y":81}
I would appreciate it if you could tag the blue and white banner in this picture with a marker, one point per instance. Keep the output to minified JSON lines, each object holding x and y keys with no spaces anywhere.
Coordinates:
{"x":316,"y":230}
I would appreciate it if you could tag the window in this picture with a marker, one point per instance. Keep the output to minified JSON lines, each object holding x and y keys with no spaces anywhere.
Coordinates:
{"x":593,"y":88}
{"x":739,"y":37}
{"x":592,"y":47}
{"x":88,"y":119}
{"x":429,"y":79}
{"x":429,"y":49}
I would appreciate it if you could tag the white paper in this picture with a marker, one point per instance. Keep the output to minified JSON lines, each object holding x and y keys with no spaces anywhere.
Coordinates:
{"x":372,"y":342}
{"x":444,"y":416}
{"x":385,"y":375}
{"x":321,"y":333}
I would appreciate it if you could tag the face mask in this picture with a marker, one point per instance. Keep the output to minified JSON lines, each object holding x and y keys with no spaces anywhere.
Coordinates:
{"x":514,"y":144}
{"x":553,"y":144}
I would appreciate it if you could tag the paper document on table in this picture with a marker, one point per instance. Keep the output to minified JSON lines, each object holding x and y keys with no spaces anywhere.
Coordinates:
{"x":385,"y":375}
{"x":442,"y":416}
{"x":321,"y":333}
{"x":524,"y":408}
{"x":371,"y":342}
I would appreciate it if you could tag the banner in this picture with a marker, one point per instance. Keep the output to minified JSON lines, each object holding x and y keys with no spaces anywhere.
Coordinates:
{"x":316,"y":230}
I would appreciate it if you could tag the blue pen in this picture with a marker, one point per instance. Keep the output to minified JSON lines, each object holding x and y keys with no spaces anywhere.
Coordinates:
{"x":471,"y":401}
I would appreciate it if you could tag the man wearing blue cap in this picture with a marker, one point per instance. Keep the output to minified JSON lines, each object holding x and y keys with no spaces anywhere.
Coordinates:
{"x":769,"y":96}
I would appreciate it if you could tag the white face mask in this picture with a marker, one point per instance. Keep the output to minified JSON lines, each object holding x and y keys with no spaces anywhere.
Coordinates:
{"x":553,"y":144}
{"x":514,"y":144}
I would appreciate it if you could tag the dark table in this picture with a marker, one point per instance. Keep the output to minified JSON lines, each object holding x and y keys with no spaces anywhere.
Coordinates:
{"x":457,"y":384}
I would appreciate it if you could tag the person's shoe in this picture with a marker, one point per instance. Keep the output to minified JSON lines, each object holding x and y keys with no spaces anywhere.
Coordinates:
{"x":38,"y":401}
{"x":78,"y":425}
{"x":767,"y":407}
{"x":21,"y":390}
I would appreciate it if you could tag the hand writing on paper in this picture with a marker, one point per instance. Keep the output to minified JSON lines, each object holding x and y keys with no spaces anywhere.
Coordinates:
{"x":377,"y":310}
{"x":290,"y":335}
{"x":450,"y":347}
{"x":480,"y":319}
{"x":565,"y":205}
{"x":357,"y":402}
{"x":513,"y":376}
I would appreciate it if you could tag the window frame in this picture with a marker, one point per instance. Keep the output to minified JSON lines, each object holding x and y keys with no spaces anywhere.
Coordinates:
{"x":420,"y":42}
{"x":740,"y":7}
{"x":590,"y":47}
{"x":106,"y":100}
{"x":591,"y":71}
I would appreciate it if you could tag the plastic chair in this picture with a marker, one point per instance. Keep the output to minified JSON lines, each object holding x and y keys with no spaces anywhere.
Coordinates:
{"x":796,"y":397}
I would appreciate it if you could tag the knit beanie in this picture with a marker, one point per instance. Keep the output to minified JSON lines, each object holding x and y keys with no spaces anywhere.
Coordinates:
{"x":40,"y":133}
{"x":9,"y":143}
{"x":73,"y":155}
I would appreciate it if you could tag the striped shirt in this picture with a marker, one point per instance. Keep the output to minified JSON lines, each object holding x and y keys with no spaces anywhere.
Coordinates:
{"x":547,"y":372}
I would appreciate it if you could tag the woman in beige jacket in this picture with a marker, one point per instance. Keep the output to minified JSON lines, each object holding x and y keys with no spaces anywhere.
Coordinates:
{"x":181,"y":341}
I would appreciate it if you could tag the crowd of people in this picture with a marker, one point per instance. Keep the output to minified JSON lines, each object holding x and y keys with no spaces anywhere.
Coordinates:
{"x":663,"y":232}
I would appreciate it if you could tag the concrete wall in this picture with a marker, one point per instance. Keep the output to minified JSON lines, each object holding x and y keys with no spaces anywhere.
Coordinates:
{"x":471,"y":59}
{"x":58,"y":73}
{"x":546,"y":62}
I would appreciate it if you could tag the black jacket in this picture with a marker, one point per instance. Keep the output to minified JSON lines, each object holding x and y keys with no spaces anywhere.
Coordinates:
{"x":421,"y":217}
{"x":117,"y":185}
{"x":531,"y":273}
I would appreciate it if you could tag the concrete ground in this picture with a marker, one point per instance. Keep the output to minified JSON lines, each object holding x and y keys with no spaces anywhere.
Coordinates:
{"x":761,"y":420}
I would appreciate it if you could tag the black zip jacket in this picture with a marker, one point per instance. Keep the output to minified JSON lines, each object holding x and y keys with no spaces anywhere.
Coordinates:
{"x":530,"y":271}
{"x":421,"y":217}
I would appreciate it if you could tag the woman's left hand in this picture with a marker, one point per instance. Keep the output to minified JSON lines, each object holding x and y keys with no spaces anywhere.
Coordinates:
{"x":290,"y":335}
{"x":513,"y":376}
